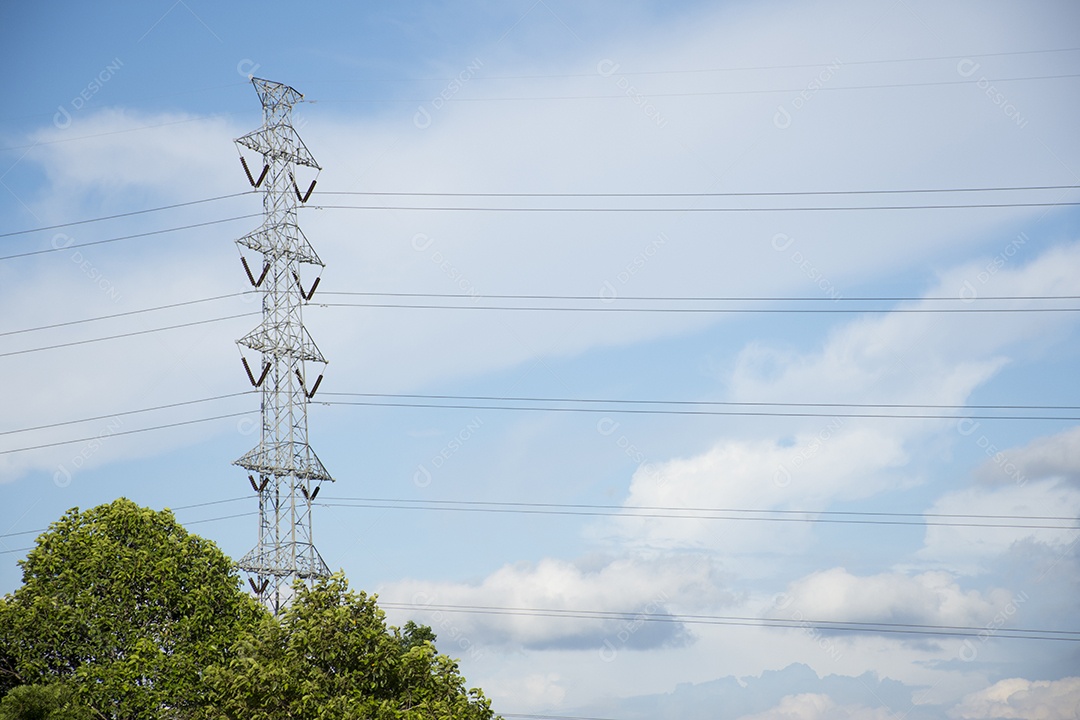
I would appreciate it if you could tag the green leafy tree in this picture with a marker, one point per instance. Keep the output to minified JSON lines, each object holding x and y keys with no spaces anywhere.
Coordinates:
{"x":332,"y":656}
{"x":57,"y":701}
{"x":122,"y":604}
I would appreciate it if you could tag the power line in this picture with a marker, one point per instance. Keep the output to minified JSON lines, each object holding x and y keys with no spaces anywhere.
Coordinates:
{"x":407,"y":504}
{"x":102,"y":436}
{"x":828,"y":625}
{"x":127,"y":334}
{"x":127,"y":214}
{"x":189,"y":522}
{"x":717,"y":93}
{"x":772,"y":67}
{"x":116,"y":132}
{"x":129,"y":237}
{"x":808,"y":208}
{"x":657,"y":514}
{"x":780,"y":193}
{"x":127,"y":412}
{"x":705,"y":298}
{"x":521,"y":308}
{"x":815,"y":311}
{"x":784,"y":193}
{"x":733,"y":403}
{"x":838,"y":513}
{"x":718,"y":413}
{"x":121,"y":314}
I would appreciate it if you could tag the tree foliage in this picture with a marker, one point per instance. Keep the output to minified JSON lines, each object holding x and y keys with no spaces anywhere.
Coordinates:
{"x":124,"y":614}
{"x":333,"y":656}
{"x":126,"y":605}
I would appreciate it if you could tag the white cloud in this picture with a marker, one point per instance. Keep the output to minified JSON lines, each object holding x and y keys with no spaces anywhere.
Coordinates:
{"x":974,"y":549}
{"x":635,"y":586}
{"x":816,"y":706}
{"x":1054,"y":456}
{"x":930,"y":598}
{"x":818,"y":468}
{"x":1023,"y":699}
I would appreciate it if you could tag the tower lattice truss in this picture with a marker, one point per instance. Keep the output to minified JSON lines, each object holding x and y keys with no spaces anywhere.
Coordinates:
{"x":283,"y":469}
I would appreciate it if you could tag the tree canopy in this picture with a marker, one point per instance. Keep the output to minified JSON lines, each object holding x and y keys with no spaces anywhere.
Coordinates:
{"x":124,"y":614}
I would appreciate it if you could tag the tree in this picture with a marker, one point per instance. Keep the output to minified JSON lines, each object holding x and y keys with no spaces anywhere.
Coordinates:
{"x":124,"y":605}
{"x":332,"y":656}
{"x":43,"y":702}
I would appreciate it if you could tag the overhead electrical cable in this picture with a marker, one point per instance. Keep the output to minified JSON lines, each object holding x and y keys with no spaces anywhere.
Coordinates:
{"x":127,"y":334}
{"x":726,"y":403}
{"x":803,"y":208}
{"x":121,"y":314}
{"x":128,"y":412}
{"x":126,"y":214}
{"x":716,"y":93}
{"x":721,"y":311}
{"x":690,"y":513}
{"x":626,"y":513}
{"x":129,"y":237}
{"x":110,"y":434}
{"x":779,"y":193}
{"x":717,"y":413}
{"x":707,"y":298}
{"x":699,"y":509}
{"x":969,"y":56}
{"x":829,"y":625}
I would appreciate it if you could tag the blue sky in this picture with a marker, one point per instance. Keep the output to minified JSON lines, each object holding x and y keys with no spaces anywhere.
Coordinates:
{"x":135,"y":106}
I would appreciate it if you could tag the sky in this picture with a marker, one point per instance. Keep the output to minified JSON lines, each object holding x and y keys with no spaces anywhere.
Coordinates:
{"x":652,"y":365}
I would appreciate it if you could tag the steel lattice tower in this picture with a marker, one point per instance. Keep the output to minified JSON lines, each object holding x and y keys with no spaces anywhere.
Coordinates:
{"x":287,"y":470}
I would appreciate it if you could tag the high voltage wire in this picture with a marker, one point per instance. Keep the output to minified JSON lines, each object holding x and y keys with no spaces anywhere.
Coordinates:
{"x":717,"y":93}
{"x":126,"y":214}
{"x":101,"y":436}
{"x":116,"y":132}
{"x":127,"y":334}
{"x":121,"y":314}
{"x":775,"y":67}
{"x":189,"y":522}
{"x":838,"y":513}
{"x":722,"y":69}
{"x":830,"y":625}
{"x":635,"y":512}
{"x":717,"y":413}
{"x":706,"y":298}
{"x":526,"y":308}
{"x":128,"y":412}
{"x":619,"y":408}
{"x":687,"y":513}
{"x":785,"y":193}
{"x":510,"y":398}
{"x":807,"y":208}
{"x":129,"y":237}
{"x":816,"y":311}
{"x":980,"y":299}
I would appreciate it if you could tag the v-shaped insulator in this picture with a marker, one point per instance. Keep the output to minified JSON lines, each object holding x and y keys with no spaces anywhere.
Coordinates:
{"x":259,"y":589}
{"x":311,"y":497}
{"x":251,"y":375}
{"x":254,"y":183}
{"x":258,"y":487}
{"x":314,"y":388}
{"x":254,"y":282}
{"x":310,"y":293}
{"x":302,"y":198}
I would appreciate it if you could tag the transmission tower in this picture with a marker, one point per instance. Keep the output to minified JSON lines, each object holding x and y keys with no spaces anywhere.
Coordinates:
{"x":283,"y":469}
